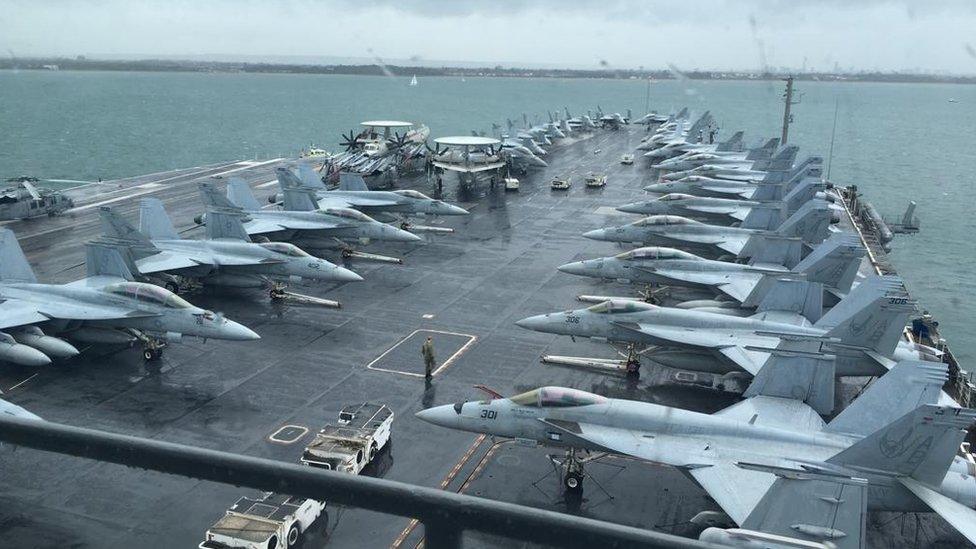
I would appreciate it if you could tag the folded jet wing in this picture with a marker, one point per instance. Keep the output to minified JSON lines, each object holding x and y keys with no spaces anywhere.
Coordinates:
{"x":738,"y":285}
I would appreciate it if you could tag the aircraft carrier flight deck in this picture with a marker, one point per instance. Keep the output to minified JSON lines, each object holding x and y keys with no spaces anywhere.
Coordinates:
{"x":268,"y":398}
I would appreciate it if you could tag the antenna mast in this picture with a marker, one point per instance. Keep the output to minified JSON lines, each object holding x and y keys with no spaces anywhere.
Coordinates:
{"x":789,"y":102}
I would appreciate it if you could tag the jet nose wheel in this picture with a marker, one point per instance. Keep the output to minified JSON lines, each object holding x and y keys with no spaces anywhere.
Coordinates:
{"x":573,"y":482}
{"x":152,"y":355}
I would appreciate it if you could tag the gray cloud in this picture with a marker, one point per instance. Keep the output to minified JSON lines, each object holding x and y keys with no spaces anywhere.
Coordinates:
{"x":868,"y":34}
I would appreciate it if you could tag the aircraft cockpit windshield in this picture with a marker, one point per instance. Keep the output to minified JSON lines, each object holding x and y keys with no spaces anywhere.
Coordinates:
{"x":654,"y":252}
{"x":284,"y":248}
{"x":148,"y":293}
{"x":664,"y":220}
{"x":412,"y":194}
{"x":620,"y":306}
{"x":349,"y":214}
{"x":557,"y":397}
{"x":674,"y":196}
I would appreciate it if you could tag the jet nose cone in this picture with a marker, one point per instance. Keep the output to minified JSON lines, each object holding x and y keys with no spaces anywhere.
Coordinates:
{"x":451,"y":209}
{"x":535,"y":323}
{"x":235,"y":331}
{"x":633,"y":207}
{"x":657,"y":188}
{"x":596,"y":234}
{"x":399,"y":235}
{"x":443,"y":416}
{"x":342,"y":274}
{"x":575,"y":268}
{"x":410,"y":237}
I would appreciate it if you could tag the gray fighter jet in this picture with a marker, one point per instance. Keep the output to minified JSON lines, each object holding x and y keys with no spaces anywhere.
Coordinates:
{"x":811,"y":166}
{"x":727,"y":153}
{"x":834,"y":263}
{"x":811,"y":223}
{"x":227,"y":258}
{"x":353,"y":193}
{"x":301,"y":222}
{"x":105,"y":307}
{"x":729,"y":211}
{"x":668,"y":140}
{"x":893,"y":437}
{"x":863,"y":329}
{"x":679,"y":156}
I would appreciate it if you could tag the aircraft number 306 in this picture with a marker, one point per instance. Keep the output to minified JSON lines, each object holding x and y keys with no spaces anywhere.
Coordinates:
{"x":572,"y":319}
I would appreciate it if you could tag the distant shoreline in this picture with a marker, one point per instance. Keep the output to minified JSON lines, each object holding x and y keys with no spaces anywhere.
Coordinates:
{"x":158,"y":65}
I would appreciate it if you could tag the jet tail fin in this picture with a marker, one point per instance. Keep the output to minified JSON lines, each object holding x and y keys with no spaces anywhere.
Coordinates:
{"x":212,"y":198}
{"x":117,"y":227}
{"x":797,"y":371}
{"x":810,"y":223}
{"x":14,"y":266}
{"x":765,"y":217}
{"x":287,"y":179}
{"x":908,"y":385}
{"x":698,"y":127}
{"x":299,"y":200}
{"x":817,"y":507}
{"x":310,"y":178}
{"x":804,"y":191}
{"x":768,"y":192}
{"x":225,"y":224}
{"x":834,"y":263}
{"x":239,"y":193}
{"x":154,"y":221}
{"x":770,"y":248}
{"x":352,"y":182}
{"x":919,"y":444}
{"x":793,"y":296}
{"x":811,"y":166}
{"x":872,"y":316}
{"x":763,"y":151}
{"x":782,"y":161}
{"x":104,"y":259}
{"x":733,"y":143}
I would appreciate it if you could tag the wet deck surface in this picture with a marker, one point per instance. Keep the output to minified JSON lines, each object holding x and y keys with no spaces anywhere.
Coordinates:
{"x":466,"y":288}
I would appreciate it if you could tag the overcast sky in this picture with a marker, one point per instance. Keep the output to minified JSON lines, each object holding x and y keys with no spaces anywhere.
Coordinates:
{"x":711,"y":34}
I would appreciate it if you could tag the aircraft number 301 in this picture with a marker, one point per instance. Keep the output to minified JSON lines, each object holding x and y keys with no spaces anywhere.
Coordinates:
{"x":489,"y":414}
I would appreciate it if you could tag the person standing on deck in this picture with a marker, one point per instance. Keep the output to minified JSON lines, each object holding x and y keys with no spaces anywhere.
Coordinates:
{"x":428,"y":353}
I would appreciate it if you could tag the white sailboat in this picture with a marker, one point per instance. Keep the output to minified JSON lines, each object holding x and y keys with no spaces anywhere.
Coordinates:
{"x":413,"y":81}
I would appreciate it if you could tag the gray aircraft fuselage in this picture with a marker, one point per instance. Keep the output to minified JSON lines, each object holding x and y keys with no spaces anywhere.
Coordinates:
{"x":319,"y":229}
{"x":621,"y":327}
{"x":649,"y":270}
{"x":100,"y":305}
{"x":670,"y":231}
{"x":685,"y":439}
{"x":243,"y":261}
{"x":684,"y":204}
{"x":704,"y":187}
{"x":401,"y":202}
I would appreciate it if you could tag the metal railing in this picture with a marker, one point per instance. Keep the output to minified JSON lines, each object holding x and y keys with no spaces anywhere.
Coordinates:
{"x":445,"y":515}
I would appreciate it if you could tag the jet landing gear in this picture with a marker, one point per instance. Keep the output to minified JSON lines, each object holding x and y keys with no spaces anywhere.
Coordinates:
{"x":632,"y":363}
{"x":152,"y":347}
{"x":572,"y":472}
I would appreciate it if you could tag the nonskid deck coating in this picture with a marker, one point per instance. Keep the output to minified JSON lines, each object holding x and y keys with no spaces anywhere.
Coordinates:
{"x":498,"y":267}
